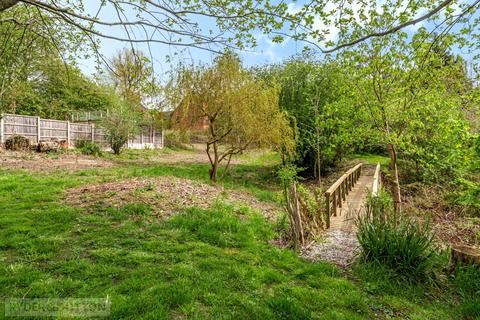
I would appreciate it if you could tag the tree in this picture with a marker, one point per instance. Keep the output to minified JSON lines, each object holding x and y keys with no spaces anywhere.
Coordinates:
{"x":25,"y":48}
{"x":317,"y":97}
{"x":241,"y":111}
{"x":188,"y":23}
{"x":132,"y":76}
{"x":120,"y":124}
{"x":51,"y":88}
{"x":177,"y":23}
{"x":413,"y":100}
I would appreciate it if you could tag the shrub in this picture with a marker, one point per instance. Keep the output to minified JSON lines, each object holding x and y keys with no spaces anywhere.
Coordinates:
{"x":120,"y":124}
{"x":17,"y":143}
{"x":302,"y":205}
{"x":88,"y":147}
{"x":177,"y":140}
{"x":398,"y":242}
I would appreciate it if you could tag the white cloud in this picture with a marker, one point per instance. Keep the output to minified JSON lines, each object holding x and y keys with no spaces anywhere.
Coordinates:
{"x":266,"y":47}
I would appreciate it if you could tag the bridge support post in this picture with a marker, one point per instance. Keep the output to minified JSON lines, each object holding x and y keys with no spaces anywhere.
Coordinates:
{"x":339,"y":197}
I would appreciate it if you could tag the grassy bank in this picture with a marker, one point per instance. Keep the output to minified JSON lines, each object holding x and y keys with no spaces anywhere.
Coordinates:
{"x":207,"y":264}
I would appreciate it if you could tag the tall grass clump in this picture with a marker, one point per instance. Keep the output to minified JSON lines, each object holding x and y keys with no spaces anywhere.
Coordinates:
{"x":467,"y":285}
{"x":88,"y":147}
{"x":395,"y":241}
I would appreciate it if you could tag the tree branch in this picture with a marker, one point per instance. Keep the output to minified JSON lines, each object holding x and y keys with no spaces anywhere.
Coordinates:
{"x":6,"y":4}
{"x":429,"y":14}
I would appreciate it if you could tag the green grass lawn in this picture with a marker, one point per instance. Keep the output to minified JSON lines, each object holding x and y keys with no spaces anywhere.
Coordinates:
{"x":368,"y":158}
{"x":201,"y":264}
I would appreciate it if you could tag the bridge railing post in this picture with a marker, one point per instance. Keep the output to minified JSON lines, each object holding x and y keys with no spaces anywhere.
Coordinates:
{"x":327,"y":204}
{"x":339,"y":197}
{"x":377,"y":181}
{"x":334,"y":204}
{"x":337,"y":193}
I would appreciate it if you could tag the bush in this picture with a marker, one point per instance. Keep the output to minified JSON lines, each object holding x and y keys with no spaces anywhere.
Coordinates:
{"x":177,"y":140}
{"x":120,"y":124}
{"x":88,"y":147}
{"x":467,"y":194}
{"x":17,"y":143}
{"x":397,"y":242}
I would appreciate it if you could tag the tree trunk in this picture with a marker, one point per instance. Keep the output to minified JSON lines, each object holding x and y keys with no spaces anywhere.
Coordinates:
{"x":215,"y":163}
{"x":213,"y":172}
{"x":317,"y":132}
{"x":397,"y":199}
{"x":227,"y":166}
{"x":298,"y":215}
{"x":5,"y":4}
{"x":319,"y":168}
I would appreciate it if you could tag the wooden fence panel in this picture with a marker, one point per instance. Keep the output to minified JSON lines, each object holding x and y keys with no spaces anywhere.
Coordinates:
{"x":53,"y":129}
{"x":26,"y":126}
{"x":147,"y":135}
{"x":136,"y":139}
{"x":100,"y":137}
{"x":80,"y":131}
{"x":158,"y":139}
{"x":36,"y":129}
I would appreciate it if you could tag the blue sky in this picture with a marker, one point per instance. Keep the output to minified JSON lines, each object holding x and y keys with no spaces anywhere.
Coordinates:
{"x":266,"y":52}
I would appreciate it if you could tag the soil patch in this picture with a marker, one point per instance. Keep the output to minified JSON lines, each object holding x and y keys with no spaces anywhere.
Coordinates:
{"x":33,"y":161}
{"x":450,"y":225}
{"x":165,"y":195}
{"x":196,"y":154}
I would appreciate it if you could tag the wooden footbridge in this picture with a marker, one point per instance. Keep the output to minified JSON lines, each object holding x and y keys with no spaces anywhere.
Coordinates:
{"x":346,"y":197}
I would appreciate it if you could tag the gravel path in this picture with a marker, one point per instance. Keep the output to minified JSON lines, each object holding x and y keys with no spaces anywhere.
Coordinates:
{"x":339,"y":247}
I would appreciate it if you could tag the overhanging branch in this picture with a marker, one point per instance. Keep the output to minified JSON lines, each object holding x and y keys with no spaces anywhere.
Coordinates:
{"x":398,"y":27}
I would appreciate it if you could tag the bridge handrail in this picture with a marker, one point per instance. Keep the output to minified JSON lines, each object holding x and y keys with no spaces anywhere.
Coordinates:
{"x":377,"y":181}
{"x":339,"y":190}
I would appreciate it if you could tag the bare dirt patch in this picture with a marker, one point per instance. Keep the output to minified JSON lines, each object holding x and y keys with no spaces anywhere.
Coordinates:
{"x":33,"y":161}
{"x":180,"y":157}
{"x":165,"y":195}
{"x":195,"y":154}
{"x":449,"y":223}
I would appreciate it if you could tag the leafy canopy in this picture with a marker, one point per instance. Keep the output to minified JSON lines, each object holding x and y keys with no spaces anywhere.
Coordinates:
{"x":241,"y":111}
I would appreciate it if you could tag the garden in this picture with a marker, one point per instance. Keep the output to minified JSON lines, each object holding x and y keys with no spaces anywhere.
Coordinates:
{"x":339,"y":180}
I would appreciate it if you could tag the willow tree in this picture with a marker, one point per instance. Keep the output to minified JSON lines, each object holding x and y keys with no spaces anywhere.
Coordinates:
{"x":241,"y":111}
